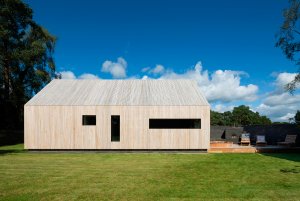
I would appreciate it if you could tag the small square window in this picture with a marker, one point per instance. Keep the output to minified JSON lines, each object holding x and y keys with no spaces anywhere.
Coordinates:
{"x":88,"y":120}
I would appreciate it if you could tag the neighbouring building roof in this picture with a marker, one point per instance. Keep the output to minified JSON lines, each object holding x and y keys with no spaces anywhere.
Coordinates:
{"x":120,"y":92}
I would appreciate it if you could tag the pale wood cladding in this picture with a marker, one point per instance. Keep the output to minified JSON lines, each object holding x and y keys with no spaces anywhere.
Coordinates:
{"x":60,"y":127}
{"x":120,"y":93}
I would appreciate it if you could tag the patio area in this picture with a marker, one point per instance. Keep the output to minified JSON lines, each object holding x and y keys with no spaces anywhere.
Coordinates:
{"x":229,"y":147}
{"x":277,"y":138}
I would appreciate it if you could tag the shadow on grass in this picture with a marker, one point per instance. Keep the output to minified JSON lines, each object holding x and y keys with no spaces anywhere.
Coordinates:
{"x":11,"y":141}
{"x":3,"y":152}
{"x":287,"y":156}
{"x":8,"y":149}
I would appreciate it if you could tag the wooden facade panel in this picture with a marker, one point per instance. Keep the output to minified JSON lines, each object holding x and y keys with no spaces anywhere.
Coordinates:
{"x":103,"y":128}
{"x":60,"y":127}
{"x":85,"y":136}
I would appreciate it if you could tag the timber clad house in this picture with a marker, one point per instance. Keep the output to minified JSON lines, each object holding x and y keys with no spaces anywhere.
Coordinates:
{"x":118,"y":115}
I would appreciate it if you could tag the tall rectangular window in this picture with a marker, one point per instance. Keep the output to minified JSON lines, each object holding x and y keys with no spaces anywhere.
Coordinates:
{"x":174,"y":123}
{"x":88,"y":120}
{"x":115,"y":128}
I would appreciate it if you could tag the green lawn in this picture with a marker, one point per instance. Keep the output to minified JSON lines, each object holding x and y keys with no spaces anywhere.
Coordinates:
{"x":153,"y":176}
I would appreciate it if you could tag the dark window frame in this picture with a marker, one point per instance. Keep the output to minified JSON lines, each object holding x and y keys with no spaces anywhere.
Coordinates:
{"x":89,"y":120}
{"x":174,"y":123}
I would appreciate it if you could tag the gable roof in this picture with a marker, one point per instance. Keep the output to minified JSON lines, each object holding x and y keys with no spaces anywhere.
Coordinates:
{"x":120,"y":92}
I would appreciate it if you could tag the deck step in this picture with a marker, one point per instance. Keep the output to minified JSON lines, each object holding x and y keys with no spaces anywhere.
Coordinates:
{"x":232,"y":150}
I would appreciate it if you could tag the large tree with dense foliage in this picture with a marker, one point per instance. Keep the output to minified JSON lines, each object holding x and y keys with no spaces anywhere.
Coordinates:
{"x":240,"y":116}
{"x":26,"y":59}
{"x":216,"y":118}
{"x":288,"y":38}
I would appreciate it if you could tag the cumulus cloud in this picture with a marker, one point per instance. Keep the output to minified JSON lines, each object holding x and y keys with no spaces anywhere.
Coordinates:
{"x":278,"y":112}
{"x":282,"y":79}
{"x":282,"y":99}
{"x":222,"y":108}
{"x":157,"y":70}
{"x":71,"y":75}
{"x":286,"y":117}
{"x":88,"y":76}
{"x":116,"y":69}
{"x":280,"y":105}
{"x":67,"y":75}
{"x":221,"y":85}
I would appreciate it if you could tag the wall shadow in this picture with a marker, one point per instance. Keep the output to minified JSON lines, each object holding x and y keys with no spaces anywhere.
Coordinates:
{"x":287,"y":156}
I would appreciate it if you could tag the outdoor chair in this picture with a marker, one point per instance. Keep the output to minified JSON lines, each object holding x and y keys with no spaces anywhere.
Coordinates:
{"x":261,"y":140}
{"x":245,"y":139}
{"x":289,"y":140}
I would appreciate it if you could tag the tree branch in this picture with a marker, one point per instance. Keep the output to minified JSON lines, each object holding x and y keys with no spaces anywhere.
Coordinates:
{"x":296,"y":31}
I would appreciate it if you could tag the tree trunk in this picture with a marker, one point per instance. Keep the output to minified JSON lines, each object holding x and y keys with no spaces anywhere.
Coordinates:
{"x":6,"y":72}
{"x":6,"y":82}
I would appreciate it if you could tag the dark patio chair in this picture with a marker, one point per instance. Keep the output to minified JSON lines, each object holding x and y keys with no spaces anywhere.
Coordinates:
{"x":289,"y":140}
{"x":261,"y":140}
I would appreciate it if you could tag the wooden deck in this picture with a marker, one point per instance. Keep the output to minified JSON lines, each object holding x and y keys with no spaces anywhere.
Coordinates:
{"x":254,"y":149}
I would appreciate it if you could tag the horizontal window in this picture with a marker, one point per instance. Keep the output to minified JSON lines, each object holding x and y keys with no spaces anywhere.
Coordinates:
{"x":174,"y":123}
{"x":88,"y":120}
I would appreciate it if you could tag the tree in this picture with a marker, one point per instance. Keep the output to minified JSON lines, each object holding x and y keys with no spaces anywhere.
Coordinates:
{"x":264,"y":120}
{"x":216,"y":118}
{"x":288,"y":38}
{"x":297,"y":117}
{"x":240,"y":116}
{"x":26,"y":59}
{"x":228,"y":118}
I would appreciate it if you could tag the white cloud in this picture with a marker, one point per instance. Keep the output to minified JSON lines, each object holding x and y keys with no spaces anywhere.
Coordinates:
{"x":116,"y":69}
{"x":221,"y":85}
{"x":88,"y":76}
{"x":280,"y":105}
{"x":222,"y":108}
{"x":145,"y":77}
{"x":287,"y":117}
{"x":145,"y":69}
{"x":278,"y":112}
{"x":158,"y":69}
{"x":282,"y":99}
{"x":67,"y":75}
{"x":284,"y":78}
{"x":71,"y":75}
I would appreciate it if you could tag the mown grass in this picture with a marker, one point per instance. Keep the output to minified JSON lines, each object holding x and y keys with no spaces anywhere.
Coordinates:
{"x":153,"y":176}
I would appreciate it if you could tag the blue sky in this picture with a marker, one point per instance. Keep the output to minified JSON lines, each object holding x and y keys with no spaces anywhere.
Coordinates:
{"x":228,"y":37}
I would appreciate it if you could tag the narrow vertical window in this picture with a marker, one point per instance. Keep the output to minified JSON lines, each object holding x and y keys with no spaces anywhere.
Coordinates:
{"x":88,"y":120}
{"x":115,"y":128}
